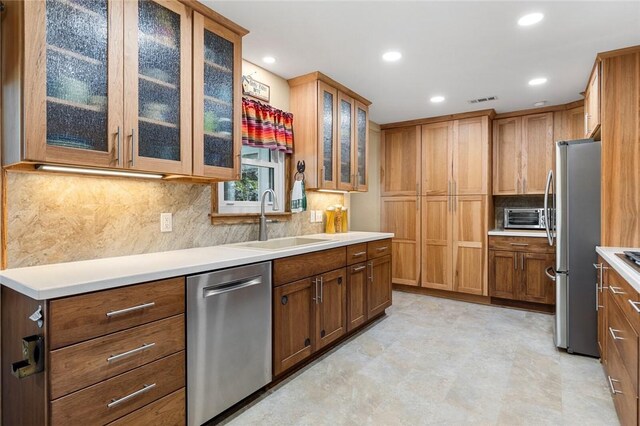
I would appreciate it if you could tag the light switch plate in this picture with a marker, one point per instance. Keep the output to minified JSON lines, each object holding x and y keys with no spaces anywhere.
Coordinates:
{"x":312,"y":218}
{"x":166,"y":222}
{"x":319,"y":215}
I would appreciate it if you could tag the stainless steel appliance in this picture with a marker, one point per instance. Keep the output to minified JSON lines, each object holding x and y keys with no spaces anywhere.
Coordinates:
{"x":577,"y":233}
{"x":524,"y":218}
{"x":228,"y":338}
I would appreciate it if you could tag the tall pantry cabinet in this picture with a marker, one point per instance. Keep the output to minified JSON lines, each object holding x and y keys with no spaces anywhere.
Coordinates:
{"x":435,"y":183}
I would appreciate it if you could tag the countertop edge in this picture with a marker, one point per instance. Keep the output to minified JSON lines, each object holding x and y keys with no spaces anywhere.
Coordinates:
{"x":627,"y":272}
{"x":11,"y":278}
{"x":517,"y":233}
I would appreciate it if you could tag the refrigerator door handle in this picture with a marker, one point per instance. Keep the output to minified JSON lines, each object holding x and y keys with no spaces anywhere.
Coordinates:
{"x":547,"y":212}
{"x":550,"y":273}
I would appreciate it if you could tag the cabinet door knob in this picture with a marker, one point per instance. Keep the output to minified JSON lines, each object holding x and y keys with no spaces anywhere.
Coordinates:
{"x":284,"y":300}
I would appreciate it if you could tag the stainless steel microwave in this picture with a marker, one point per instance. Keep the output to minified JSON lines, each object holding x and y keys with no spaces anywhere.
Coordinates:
{"x":524,"y":218}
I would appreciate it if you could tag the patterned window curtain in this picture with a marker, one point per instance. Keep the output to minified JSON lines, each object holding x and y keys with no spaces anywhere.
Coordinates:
{"x":266,"y":127}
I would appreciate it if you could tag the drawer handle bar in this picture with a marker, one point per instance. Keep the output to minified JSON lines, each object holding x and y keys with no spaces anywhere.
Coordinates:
{"x":131,"y":309}
{"x":613,"y":388}
{"x":519,"y":244}
{"x":145,"y":389}
{"x":614,"y":290}
{"x":613,"y":332}
{"x":635,"y":305}
{"x":360,"y":268}
{"x":360,"y":253}
{"x":131,"y":352}
{"x":382,"y":248}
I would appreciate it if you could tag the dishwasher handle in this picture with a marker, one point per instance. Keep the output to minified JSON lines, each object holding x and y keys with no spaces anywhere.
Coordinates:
{"x":230,"y":286}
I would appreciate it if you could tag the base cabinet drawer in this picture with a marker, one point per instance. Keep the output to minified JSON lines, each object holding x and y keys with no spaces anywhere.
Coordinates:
{"x":78,"y":366}
{"x":120,"y":395}
{"x":624,"y":394}
{"x":356,"y":253}
{"x":624,"y":338}
{"x":378,"y":249}
{"x":78,"y":318}
{"x":627,"y":298}
{"x":528,"y":244}
{"x":167,"y":411}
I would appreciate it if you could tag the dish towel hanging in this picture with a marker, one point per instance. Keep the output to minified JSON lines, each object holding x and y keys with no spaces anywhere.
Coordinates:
{"x":298,"y":197}
{"x":266,"y":127}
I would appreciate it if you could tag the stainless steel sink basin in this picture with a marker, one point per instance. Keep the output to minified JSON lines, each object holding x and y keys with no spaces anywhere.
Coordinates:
{"x":281,"y":243}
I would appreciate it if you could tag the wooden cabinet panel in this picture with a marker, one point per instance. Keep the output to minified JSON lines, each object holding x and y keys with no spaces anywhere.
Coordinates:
{"x":573,"y":126}
{"x":503,"y":274}
{"x":437,"y":141}
{"x":537,"y":152}
{"x":77,"y":366}
{"x":625,"y":340}
{"x":91,"y":405}
{"x":379,"y":290}
{"x":356,"y":253}
{"x":217,"y":119}
{"x":345,"y":143}
{"x":357,"y":279}
{"x":331,"y":307}
{"x":624,"y":394}
{"x":592,"y":103}
{"x":401,"y":215}
{"x":378,"y":248}
{"x":507,"y":134}
{"x":77,"y":318}
{"x":400,"y":161}
{"x":602,"y":309}
{"x":471,"y":156}
{"x":437,"y":243}
{"x":361,"y":152}
{"x":625,"y":296}
{"x":327,"y":136}
{"x":524,"y":244}
{"x":293,"y":268}
{"x":167,"y":411}
{"x":293,"y":324}
{"x":469,"y":244}
{"x":535,"y":285}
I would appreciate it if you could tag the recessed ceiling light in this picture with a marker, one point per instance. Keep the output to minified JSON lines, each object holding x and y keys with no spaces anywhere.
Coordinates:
{"x":392,"y":56}
{"x":537,"y":81}
{"x":540,"y":103}
{"x":530,"y":19}
{"x":268,"y":59}
{"x":437,"y":99}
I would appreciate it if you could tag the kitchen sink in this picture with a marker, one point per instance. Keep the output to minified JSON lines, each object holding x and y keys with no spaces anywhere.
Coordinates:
{"x":281,"y":243}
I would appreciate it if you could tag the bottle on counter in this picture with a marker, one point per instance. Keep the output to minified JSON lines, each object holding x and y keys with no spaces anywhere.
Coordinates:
{"x":330,"y":225}
{"x":338,"y":218}
{"x":345,"y":219}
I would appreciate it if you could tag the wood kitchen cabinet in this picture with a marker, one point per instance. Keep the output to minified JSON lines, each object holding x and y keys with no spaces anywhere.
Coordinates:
{"x":357,"y":280}
{"x":331,"y":307}
{"x":401,"y":216}
{"x":331,"y":129}
{"x":108,"y":84}
{"x":379,"y":290}
{"x":523,"y":153}
{"x":400,"y":159}
{"x":592,"y":103}
{"x":437,"y":243}
{"x":437,"y":157}
{"x":517,"y":269}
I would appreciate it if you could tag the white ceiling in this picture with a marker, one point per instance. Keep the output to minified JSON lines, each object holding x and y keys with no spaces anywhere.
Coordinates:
{"x":461,"y":50}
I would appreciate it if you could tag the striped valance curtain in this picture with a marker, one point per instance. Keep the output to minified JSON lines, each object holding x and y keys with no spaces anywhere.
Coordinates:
{"x":266,"y":127}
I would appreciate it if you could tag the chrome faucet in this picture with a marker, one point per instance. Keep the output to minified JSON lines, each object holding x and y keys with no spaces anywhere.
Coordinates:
{"x":262,"y":236}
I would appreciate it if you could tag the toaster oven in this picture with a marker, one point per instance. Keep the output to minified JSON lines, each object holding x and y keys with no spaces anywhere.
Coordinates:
{"x":524,"y":218}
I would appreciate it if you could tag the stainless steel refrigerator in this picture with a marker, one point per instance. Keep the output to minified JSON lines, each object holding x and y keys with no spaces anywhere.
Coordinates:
{"x":575,"y":198}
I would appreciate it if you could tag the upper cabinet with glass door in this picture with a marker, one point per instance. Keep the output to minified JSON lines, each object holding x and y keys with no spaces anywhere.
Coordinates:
{"x":158,"y":86}
{"x":217,"y":120}
{"x":331,"y":126}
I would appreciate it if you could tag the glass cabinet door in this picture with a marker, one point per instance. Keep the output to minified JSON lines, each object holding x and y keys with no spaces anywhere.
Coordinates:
{"x":158,"y":84}
{"x":327,"y":129}
{"x":362,"y":146}
{"x":80,"y":83}
{"x":346,"y":146}
{"x":217,"y":100}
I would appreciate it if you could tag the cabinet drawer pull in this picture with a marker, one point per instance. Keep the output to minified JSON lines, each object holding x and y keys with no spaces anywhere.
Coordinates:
{"x":360,"y":253}
{"x":519,"y":244}
{"x":131,"y":309}
{"x":382,"y":248}
{"x":613,"y":388}
{"x":614,"y":290}
{"x":131,"y":352}
{"x":370,"y":264}
{"x":635,"y":305}
{"x":118,"y":401}
{"x":360,"y":268}
{"x":613,"y":332}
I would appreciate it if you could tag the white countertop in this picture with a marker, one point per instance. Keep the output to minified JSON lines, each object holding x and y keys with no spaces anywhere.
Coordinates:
{"x":66,"y":279}
{"x":518,"y":233}
{"x":621,"y":267}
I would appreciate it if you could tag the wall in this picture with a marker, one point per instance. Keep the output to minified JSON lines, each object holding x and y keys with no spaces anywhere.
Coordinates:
{"x":60,"y":218}
{"x":365,"y":207}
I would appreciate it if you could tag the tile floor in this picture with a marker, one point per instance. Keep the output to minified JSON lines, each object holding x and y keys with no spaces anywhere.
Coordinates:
{"x":437,"y":361}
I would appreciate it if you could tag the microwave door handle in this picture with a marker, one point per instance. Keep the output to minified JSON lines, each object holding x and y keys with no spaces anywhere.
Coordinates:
{"x":547,"y":190}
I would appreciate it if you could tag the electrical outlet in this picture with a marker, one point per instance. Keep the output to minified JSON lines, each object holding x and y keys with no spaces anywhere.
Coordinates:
{"x":312,"y":218}
{"x":166,"y":222}
{"x":319,"y":215}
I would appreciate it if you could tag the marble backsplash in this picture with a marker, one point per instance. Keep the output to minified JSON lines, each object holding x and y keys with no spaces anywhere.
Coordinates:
{"x":60,"y":218}
{"x":528,"y":201}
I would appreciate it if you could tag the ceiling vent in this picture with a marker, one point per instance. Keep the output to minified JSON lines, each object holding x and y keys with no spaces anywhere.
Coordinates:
{"x":487,"y":99}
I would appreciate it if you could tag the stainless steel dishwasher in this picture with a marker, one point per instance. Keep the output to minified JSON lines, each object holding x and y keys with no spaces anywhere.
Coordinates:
{"x":228,"y":338}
